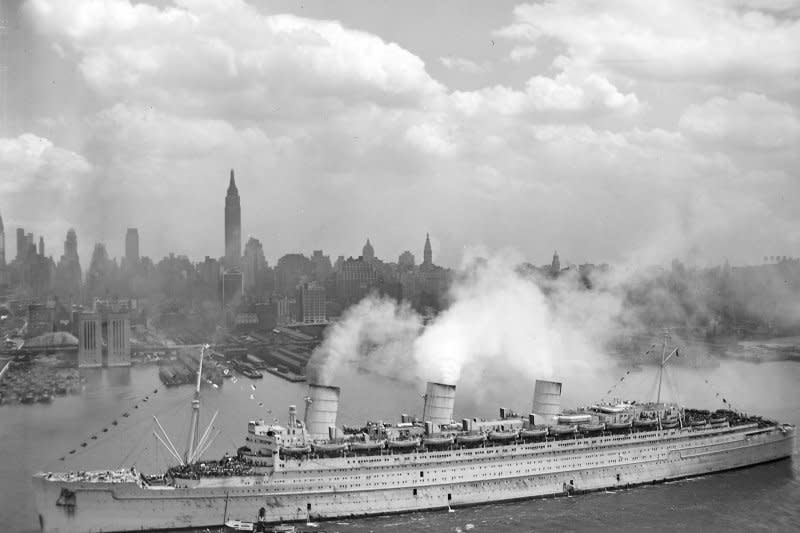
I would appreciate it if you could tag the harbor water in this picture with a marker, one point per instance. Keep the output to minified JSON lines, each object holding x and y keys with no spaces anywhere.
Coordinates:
{"x":763,"y":498}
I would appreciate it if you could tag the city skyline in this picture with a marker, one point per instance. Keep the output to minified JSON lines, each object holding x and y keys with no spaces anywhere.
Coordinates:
{"x":550,"y":125}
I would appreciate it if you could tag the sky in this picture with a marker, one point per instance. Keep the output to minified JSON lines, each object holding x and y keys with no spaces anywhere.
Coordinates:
{"x":611,"y":131}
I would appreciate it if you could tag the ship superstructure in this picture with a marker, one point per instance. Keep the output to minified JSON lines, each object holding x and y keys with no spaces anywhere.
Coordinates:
{"x":310,"y":469}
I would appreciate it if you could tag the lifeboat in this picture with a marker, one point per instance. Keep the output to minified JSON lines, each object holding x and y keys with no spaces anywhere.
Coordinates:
{"x":618,"y":426}
{"x":574,"y":419}
{"x":717,"y":420}
{"x":562,"y":430}
{"x":369,"y":446}
{"x":610,"y":409}
{"x":403,"y":444}
{"x":502,"y":436}
{"x":470,"y":440}
{"x":329,"y":447}
{"x":437,"y":442}
{"x":295,"y":451}
{"x":645,"y":423}
{"x":698,"y":423}
{"x":591,"y":428}
{"x":533,"y":433}
{"x":670,"y":423}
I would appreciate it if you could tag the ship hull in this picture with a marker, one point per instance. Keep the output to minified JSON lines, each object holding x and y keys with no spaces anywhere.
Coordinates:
{"x":512,"y":472}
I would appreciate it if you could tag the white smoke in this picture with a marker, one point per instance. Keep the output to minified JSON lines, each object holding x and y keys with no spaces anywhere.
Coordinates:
{"x":498,"y":322}
{"x":376,"y":333}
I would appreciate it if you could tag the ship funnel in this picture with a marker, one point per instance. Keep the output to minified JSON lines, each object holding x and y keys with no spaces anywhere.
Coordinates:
{"x":546,"y":401}
{"x":439,"y":401}
{"x":322,"y":405}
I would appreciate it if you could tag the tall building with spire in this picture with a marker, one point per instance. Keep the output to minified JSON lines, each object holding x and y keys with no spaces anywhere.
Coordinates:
{"x":233,"y":227}
{"x":427,"y":253}
{"x":368,"y":252}
{"x":555,"y":266}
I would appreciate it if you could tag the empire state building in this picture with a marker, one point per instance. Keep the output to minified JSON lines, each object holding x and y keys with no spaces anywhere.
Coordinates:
{"x":233,"y":227}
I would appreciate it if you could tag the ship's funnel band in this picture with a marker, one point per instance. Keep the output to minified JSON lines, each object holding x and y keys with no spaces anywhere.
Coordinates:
{"x":546,"y":399}
{"x":322,"y":406}
{"x":439,"y":402}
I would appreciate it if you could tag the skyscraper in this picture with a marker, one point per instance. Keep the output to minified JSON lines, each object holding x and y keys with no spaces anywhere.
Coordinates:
{"x":555,"y":266}
{"x":41,"y":246}
{"x":427,"y":254}
{"x":22,"y":245}
{"x":253,"y":269}
{"x":233,"y":227}
{"x":68,"y":272}
{"x":2,"y":244}
{"x":132,"y":247}
{"x":71,"y":245}
{"x":368,"y":252}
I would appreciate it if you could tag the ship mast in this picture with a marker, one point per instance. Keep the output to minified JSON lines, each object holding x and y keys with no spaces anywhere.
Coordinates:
{"x":194,"y":429}
{"x":664,"y":359}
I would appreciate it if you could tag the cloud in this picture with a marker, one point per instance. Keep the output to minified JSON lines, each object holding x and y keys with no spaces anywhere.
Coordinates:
{"x":749,"y":120}
{"x":129,"y":50}
{"x":33,"y":165}
{"x":463,"y":65}
{"x":668,"y":40}
{"x":521,"y":53}
{"x":41,"y":183}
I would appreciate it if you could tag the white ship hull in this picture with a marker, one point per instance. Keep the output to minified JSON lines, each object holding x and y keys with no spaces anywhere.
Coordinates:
{"x":359,"y":486}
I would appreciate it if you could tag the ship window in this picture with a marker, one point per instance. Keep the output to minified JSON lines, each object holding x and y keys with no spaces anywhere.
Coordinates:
{"x":449,"y":496}
{"x":422,"y":474}
{"x":415,"y":492}
{"x":308,"y":507}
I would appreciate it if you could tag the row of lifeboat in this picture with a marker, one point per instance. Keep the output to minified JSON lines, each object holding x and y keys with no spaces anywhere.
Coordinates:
{"x":581,"y":424}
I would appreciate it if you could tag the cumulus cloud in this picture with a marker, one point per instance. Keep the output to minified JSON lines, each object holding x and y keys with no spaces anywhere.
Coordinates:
{"x":33,"y":165}
{"x":40,"y":183}
{"x":129,"y":50}
{"x":749,"y":120}
{"x":463,"y":65}
{"x":670,"y":40}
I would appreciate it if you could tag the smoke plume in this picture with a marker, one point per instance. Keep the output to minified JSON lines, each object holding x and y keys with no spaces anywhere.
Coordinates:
{"x":498,"y":319}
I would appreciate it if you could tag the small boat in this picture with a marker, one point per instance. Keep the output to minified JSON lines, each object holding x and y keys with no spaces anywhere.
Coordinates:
{"x":329,"y":447}
{"x":533,"y":433}
{"x":295,"y":451}
{"x":670,"y":423}
{"x":502,"y":436}
{"x":403,"y":444}
{"x":126,"y":415}
{"x":369,"y":446}
{"x":239,"y":525}
{"x":574,"y":419}
{"x":562,"y":430}
{"x":436,"y":442}
{"x":716,"y":420}
{"x":591,"y":428}
{"x":610,"y":409}
{"x":645,"y":423}
{"x":618,"y":426}
{"x":698,"y":423}
{"x":470,"y":440}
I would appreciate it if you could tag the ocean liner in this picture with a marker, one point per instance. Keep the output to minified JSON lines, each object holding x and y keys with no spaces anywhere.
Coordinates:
{"x":308,"y":469}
